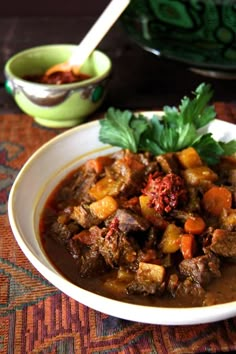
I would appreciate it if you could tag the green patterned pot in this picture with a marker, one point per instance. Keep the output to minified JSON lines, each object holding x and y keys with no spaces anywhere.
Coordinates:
{"x":200,"y":33}
{"x":57,"y":105}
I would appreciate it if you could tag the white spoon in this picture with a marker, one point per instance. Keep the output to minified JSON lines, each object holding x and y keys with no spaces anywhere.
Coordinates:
{"x":92,"y":38}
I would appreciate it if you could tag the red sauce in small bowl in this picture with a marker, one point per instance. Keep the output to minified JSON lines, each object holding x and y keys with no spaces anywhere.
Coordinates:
{"x":57,"y":78}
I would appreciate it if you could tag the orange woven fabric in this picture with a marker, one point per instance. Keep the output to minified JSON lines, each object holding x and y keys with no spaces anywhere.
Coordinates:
{"x":35,"y":317}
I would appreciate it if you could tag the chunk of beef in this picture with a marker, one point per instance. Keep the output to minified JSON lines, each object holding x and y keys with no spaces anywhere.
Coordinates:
{"x":131,"y":170}
{"x":192,"y":290}
{"x":63,"y":232}
{"x":168,"y":163}
{"x":223,"y":243}
{"x":116,"y":248}
{"x":146,"y":158}
{"x":74,"y":247}
{"x":129,"y":221}
{"x":84,"y":181}
{"x":84,"y":217}
{"x":145,"y":288}
{"x":91,"y":263}
{"x":84,"y":248}
{"x":201,"y":269}
{"x":90,"y":236}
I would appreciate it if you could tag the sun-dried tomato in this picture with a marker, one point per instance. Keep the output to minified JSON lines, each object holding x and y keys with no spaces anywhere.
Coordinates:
{"x":165,"y":192}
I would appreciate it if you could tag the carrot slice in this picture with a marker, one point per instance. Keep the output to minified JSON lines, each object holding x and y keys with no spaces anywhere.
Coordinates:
{"x":187,"y":245}
{"x":216,"y":199}
{"x":195,"y":225}
{"x":99,"y":163}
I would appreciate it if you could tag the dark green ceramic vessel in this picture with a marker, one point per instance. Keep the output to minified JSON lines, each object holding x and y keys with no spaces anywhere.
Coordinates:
{"x":200,"y":33}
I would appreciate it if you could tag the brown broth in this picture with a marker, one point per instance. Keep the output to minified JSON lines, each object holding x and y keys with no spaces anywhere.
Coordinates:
{"x":224,"y":288}
{"x":219,"y":290}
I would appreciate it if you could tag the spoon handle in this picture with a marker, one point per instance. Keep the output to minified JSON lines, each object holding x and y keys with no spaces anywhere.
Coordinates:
{"x":98,"y":31}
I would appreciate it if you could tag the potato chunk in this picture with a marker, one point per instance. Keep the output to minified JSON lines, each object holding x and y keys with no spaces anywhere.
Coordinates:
{"x":170,"y":242}
{"x":104,"y":207}
{"x":150,"y":272}
{"x":199,"y":175}
{"x":228,"y":219}
{"x":189,"y":158}
{"x":105,"y":186}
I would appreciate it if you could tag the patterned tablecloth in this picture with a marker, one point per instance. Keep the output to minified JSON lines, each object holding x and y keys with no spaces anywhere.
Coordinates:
{"x":35,"y":317}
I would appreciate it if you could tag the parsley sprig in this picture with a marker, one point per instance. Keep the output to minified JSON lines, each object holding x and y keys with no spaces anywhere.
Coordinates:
{"x":175,"y":130}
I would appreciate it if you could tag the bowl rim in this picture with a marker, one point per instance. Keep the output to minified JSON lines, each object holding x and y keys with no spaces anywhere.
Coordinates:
{"x":52,"y":87}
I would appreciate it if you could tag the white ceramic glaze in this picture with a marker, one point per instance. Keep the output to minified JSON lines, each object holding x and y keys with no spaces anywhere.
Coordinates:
{"x":41,"y":174}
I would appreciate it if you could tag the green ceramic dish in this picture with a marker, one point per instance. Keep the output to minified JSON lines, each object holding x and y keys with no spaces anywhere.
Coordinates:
{"x":63,"y":105}
{"x":199,"y":33}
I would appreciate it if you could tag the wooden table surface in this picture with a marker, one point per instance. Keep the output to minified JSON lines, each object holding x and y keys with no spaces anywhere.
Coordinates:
{"x":140,"y":80}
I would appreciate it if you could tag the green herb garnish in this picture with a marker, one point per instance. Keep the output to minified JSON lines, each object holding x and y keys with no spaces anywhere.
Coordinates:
{"x":175,"y":130}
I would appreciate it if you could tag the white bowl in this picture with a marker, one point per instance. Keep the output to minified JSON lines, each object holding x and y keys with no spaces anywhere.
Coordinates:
{"x":43,"y":171}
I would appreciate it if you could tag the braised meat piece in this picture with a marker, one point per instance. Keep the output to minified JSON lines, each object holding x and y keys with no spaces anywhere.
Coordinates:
{"x":91,"y":263}
{"x":117,"y":248}
{"x":168,"y":163}
{"x":131,"y":170}
{"x":63,"y":232}
{"x":223,"y":243}
{"x":188,"y":290}
{"x":84,"y":217}
{"x":129,"y":221}
{"x":90,"y":236}
{"x":88,"y":259}
{"x":201,"y":269}
{"x":84,"y":248}
{"x":84,"y":181}
{"x":192,"y":290}
{"x":145,"y":288}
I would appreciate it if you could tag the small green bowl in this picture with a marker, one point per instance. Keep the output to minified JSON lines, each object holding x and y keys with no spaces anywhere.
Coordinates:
{"x":63,"y":105}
